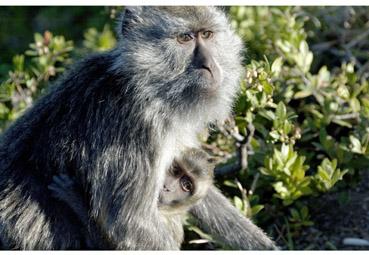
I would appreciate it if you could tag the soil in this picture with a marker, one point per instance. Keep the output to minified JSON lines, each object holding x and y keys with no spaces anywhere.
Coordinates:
{"x":334,"y":220}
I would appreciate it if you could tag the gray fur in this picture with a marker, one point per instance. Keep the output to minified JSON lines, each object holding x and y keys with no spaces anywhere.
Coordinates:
{"x":115,"y":122}
{"x":193,"y":163}
{"x":228,"y":225}
{"x":66,"y":189}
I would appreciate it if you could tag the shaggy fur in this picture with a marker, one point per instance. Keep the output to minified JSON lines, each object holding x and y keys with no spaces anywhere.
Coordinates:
{"x":193,"y":163}
{"x":115,"y":122}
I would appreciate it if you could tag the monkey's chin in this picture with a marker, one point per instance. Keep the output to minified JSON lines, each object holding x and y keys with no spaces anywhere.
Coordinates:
{"x":208,"y":87}
{"x":208,"y":83}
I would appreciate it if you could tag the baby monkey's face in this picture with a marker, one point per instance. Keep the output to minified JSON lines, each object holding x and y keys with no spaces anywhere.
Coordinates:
{"x":178,"y":186}
{"x":187,"y":180}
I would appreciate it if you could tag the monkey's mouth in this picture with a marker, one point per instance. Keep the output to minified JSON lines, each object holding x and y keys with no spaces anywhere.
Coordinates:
{"x":207,"y":72}
{"x":208,"y":79}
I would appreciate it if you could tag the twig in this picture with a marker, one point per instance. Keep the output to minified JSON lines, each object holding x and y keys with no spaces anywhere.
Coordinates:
{"x":227,"y":169}
{"x":280,"y":234}
{"x":244,"y":148}
{"x":360,"y":37}
{"x":347,"y":116}
{"x":253,"y":184}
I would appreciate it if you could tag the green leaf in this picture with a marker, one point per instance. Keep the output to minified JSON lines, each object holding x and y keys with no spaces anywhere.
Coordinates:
{"x":304,"y":58}
{"x":256,"y":209}
{"x":267,"y":87}
{"x":304,"y":212}
{"x":281,"y":189}
{"x":269,"y":115}
{"x":38,"y":38}
{"x":278,"y":156}
{"x":343,"y":92}
{"x":355,"y":104}
{"x":238,"y":203}
{"x":264,"y":171}
{"x":229,"y":184}
{"x":281,"y":111}
{"x":298,"y":169}
{"x":356,"y":145}
{"x":274,"y":134}
{"x":285,"y":151}
{"x":295,"y":214}
{"x":277,"y":66}
{"x":324,"y":175}
{"x":200,"y":232}
{"x":302,"y":94}
{"x":323,"y":77}
{"x":18,"y":62}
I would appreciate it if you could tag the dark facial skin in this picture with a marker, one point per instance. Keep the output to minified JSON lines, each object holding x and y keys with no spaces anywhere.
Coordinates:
{"x":202,"y":62}
{"x":178,"y":186}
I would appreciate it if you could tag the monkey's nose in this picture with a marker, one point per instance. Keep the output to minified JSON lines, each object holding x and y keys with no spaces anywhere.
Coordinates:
{"x":207,"y":67}
{"x":203,"y":59}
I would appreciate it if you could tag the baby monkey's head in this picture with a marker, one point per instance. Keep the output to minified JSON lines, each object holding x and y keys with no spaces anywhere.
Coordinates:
{"x":187,"y":181}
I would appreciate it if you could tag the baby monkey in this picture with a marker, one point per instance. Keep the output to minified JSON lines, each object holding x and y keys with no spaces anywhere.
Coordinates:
{"x":186,"y":183}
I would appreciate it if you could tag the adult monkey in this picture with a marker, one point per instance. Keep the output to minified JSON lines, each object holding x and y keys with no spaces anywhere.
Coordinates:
{"x":115,"y":122}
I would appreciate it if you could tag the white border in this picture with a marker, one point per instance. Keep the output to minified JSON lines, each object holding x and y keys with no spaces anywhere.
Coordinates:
{"x":185,"y":2}
{"x":181,"y":252}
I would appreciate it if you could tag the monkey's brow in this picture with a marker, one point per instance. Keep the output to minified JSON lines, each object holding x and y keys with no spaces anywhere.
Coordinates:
{"x":194,"y":28}
{"x":198,"y":169}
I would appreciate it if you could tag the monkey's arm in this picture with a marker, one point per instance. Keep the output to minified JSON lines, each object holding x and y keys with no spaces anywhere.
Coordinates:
{"x":125,"y":204}
{"x":65,"y":189}
{"x":227,"y":224}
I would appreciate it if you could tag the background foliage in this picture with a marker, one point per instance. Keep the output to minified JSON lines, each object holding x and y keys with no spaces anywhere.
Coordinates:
{"x":300,"y":125}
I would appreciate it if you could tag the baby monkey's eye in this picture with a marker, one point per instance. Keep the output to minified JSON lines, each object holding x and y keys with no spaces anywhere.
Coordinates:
{"x":184,"y":37}
{"x":206,"y":34}
{"x":186,"y":184}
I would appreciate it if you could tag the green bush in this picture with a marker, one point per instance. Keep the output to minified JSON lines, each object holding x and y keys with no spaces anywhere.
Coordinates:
{"x":27,"y":80}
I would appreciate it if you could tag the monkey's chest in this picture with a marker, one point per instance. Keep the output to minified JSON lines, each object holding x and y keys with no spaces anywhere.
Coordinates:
{"x":172,"y":146}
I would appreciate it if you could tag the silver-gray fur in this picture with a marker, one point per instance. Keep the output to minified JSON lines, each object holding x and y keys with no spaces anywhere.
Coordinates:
{"x":194,"y":164}
{"x":115,"y":122}
{"x":227,"y":225}
{"x":66,"y":190}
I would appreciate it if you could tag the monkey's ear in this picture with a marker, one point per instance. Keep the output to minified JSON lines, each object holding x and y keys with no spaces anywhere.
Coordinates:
{"x":131,"y":16}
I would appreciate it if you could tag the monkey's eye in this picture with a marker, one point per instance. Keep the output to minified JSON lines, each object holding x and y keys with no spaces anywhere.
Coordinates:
{"x":184,"y":37}
{"x":206,"y":34}
{"x":186,"y":184}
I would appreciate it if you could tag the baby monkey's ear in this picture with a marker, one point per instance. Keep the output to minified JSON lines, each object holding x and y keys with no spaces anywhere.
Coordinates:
{"x":131,"y":16}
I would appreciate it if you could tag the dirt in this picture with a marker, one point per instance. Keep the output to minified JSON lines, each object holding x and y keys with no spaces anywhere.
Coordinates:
{"x":335,"y":220}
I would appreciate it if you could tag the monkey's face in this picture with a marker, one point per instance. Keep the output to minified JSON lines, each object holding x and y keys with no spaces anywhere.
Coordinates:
{"x":178,"y":186}
{"x":203,"y":67}
{"x":186,"y":182}
{"x":189,"y":57}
